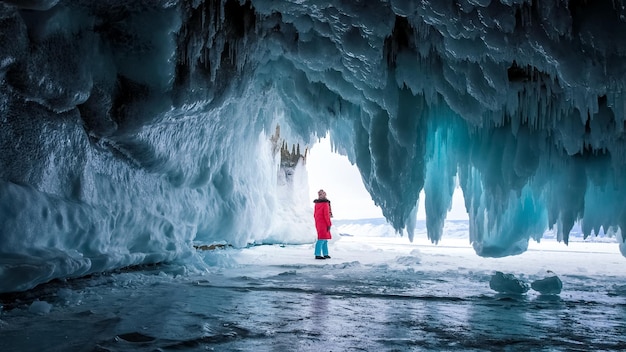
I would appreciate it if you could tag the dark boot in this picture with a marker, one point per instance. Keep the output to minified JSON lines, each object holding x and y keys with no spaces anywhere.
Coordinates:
{"x":319,"y":257}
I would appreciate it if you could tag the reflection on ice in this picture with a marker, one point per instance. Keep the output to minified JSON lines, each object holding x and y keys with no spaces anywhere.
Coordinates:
{"x":374,"y":294}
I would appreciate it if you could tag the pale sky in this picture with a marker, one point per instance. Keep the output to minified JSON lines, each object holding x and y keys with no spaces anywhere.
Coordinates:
{"x":343,"y":185}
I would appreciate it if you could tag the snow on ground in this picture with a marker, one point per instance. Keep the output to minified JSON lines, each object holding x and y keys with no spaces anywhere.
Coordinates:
{"x":374,"y":294}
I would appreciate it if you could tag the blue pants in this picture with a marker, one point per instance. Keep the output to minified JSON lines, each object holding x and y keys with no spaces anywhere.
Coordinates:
{"x":321,"y":247}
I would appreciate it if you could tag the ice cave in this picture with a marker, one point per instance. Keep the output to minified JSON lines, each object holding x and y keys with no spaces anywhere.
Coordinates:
{"x":132,"y":130}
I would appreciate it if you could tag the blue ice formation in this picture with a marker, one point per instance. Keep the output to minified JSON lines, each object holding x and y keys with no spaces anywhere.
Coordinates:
{"x":132,"y":129}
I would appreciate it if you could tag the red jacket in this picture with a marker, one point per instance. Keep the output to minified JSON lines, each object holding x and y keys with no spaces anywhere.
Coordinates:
{"x":322,"y":219}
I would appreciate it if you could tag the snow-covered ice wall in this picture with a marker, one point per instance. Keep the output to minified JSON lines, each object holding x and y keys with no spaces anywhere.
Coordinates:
{"x":132,"y":128}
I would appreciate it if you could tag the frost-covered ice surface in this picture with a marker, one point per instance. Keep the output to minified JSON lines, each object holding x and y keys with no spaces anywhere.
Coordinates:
{"x":375,"y":294}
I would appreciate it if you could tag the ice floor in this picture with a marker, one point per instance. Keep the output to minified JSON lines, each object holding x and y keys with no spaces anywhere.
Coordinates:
{"x":375,"y":294}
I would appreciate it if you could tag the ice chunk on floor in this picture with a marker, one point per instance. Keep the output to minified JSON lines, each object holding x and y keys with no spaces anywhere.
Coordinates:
{"x":550,"y":285}
{"x":40,"y":307}
{"x":507,"y":283}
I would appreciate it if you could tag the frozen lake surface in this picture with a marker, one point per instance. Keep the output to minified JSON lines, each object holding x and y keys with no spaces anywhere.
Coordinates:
{"x":374,"y":294}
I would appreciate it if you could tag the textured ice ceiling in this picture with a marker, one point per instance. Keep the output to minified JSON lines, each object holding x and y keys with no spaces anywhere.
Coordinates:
{"x":130,"y":129}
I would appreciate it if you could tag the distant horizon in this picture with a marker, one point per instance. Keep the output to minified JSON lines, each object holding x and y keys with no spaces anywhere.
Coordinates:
{"x":383,"y":219}
{"x":549,"y":234}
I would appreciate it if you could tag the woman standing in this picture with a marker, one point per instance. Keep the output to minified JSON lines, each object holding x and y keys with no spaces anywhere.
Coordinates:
{"x":322,"y":215}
